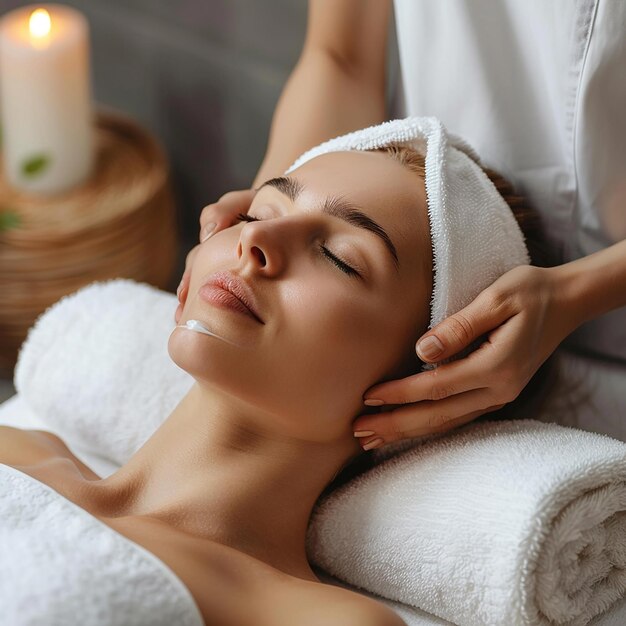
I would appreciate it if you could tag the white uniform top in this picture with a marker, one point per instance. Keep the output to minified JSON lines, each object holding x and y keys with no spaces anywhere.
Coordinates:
{"x":538,"y":88}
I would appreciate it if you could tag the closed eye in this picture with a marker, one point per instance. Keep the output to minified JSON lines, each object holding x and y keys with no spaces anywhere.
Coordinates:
{"x":342,"y":265}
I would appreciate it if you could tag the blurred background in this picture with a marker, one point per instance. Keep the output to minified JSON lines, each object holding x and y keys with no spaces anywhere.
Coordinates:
{"x":203,"y":77}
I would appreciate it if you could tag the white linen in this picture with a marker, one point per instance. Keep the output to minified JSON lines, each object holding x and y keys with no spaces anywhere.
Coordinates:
{"x":60,"y":565}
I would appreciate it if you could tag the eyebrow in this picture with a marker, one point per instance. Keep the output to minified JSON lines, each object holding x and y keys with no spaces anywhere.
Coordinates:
{"x":337,"y":207}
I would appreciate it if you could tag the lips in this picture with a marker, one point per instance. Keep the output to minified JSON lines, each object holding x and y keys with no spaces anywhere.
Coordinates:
{"x":237,"y":287}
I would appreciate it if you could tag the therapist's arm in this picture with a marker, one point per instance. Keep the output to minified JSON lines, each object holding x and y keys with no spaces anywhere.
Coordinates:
{"x":338,"y":83}
{"x":596,"y":284}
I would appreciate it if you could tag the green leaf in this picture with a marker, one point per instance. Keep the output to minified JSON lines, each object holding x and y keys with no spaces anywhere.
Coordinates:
{"x":8,"y":219}
{"x":35,"y":165}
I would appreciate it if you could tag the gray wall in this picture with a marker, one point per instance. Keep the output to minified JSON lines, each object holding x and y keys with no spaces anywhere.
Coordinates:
{"x":204,"y":77}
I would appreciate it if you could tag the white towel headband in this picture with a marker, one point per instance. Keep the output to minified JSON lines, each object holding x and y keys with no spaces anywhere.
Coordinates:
{"x":475,"y":237}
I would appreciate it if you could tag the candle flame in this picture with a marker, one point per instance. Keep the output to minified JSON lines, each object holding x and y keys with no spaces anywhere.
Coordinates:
{"x":39,"y":23}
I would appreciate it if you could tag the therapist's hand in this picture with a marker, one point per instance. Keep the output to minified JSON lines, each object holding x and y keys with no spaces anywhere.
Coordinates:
{"x":214,"y":217}
{"x":525,"y":314}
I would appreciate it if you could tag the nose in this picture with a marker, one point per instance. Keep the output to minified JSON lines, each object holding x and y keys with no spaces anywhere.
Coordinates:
{"x":266,"y":246}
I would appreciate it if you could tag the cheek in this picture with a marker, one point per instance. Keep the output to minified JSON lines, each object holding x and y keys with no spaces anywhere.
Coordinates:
{"x":356,"y":337}
{"x":218,"y":251}
{"x":331,"y":344}
{"x":357,"y":320}
{"x":330,"y":312}
{"x":339,"y":337}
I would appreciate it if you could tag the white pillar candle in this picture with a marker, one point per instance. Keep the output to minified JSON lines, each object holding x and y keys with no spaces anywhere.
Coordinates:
{"x":45,"y":98}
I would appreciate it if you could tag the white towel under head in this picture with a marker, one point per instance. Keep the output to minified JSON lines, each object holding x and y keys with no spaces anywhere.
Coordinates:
{"x":515,"y":522}
{"x":475,"y":237}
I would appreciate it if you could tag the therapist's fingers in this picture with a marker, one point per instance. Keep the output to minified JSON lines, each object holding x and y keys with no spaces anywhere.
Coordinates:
{"x":458,"y":331}
{"x":223,"y":213}
{"x":425,"y":417}
{"x":472,"y":372}
{"x":377,"y":441}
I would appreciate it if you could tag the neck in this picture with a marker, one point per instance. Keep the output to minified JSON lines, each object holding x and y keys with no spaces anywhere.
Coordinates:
{"x":215,"y":471}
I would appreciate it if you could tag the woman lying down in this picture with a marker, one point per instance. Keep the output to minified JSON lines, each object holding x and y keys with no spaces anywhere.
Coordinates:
{"x":334,"y":267}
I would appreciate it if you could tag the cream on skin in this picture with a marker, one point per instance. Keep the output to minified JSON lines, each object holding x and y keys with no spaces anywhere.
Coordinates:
{"x":198,"y":327}
{"x":244,"y":456}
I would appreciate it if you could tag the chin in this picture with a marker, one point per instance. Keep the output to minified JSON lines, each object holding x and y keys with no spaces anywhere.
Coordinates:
{"x":205,"y":359}
{"x":190,"y":352}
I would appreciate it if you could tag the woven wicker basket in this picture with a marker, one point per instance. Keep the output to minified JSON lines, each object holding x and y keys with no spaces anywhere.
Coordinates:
{"x":120,"y":224}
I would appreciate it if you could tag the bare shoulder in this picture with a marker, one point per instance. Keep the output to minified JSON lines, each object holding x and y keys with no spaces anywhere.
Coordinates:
{"x":22,"y":447}
{"x":373,"y":613}
{"x":343,"y":607}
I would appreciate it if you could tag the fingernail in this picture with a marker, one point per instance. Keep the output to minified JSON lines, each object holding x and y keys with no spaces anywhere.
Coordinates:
{"x":430,"y":347}
{"x":363,"y":433}
{"x":373,"y":402}
{"x":179,"y":288}
{"x":373,"y":444}
{"x":206,"y":231}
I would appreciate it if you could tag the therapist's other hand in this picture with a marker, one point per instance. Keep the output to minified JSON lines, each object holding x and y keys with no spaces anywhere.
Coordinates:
{"x":214,"y":217}
{"x":524,"y":315}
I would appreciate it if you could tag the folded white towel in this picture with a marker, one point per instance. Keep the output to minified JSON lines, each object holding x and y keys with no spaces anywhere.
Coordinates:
{"x":59,"y":565}
{"x":513,"y":522}
{"x":497,"y":523}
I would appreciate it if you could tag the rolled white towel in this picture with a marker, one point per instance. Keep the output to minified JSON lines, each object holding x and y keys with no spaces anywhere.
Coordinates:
{"x":95,"y":367}
{"x":513,"y":522}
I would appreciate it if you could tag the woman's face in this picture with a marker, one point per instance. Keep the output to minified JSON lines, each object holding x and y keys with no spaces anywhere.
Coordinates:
{"x":328,"y":333}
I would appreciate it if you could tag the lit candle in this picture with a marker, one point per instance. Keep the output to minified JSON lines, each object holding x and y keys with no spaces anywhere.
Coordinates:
{"x":45,"y":98}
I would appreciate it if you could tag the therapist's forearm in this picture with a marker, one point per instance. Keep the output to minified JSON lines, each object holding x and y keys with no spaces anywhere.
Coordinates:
{"x":595,"y":284}
{"x":321,"y":99}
